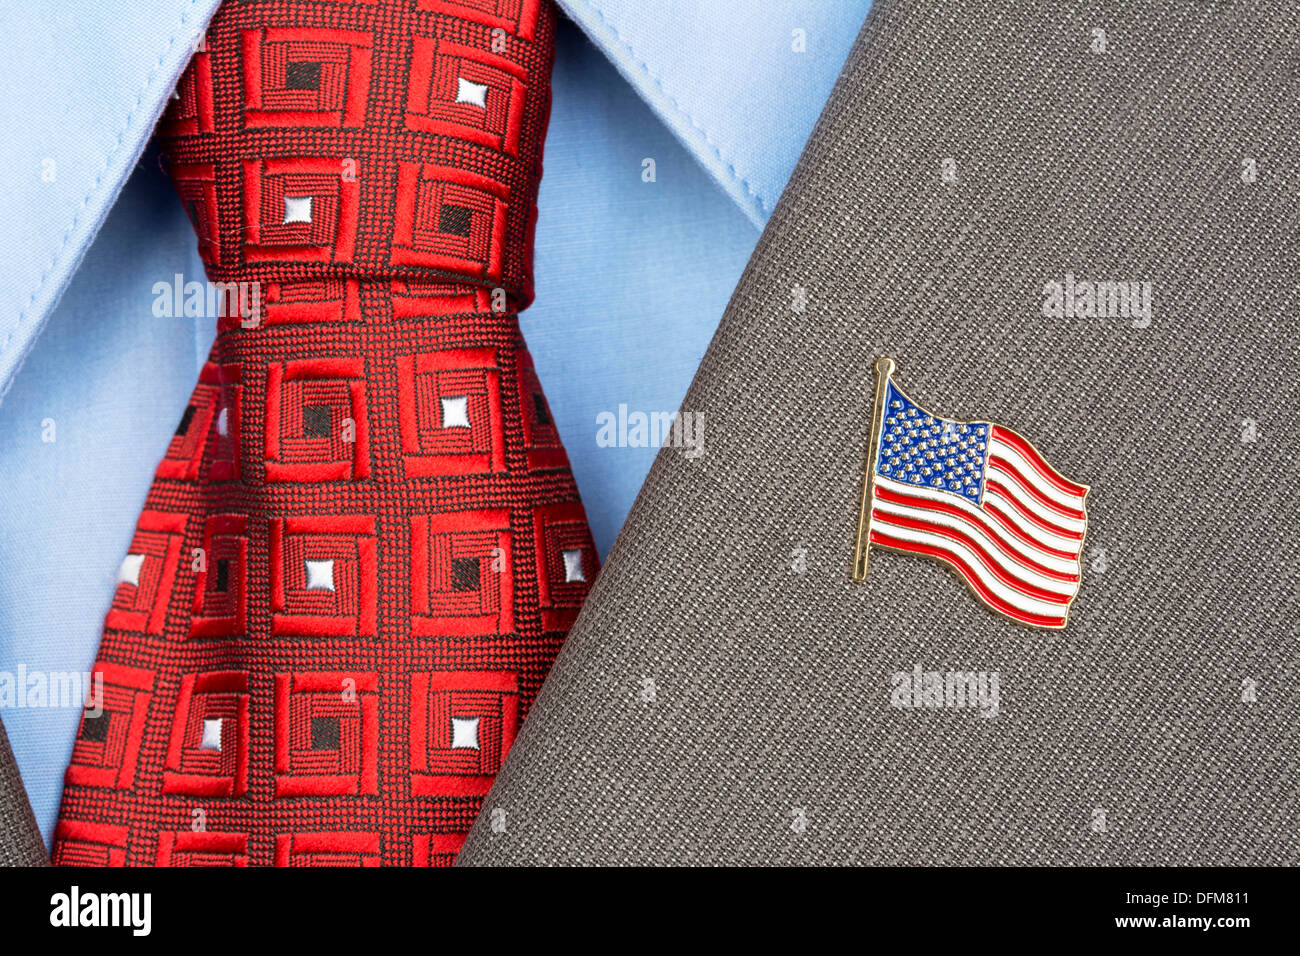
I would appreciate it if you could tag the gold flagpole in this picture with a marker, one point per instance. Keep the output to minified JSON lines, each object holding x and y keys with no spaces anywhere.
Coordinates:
{"x":884,"y":368}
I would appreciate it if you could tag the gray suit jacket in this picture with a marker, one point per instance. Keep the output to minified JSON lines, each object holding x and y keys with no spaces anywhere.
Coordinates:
{"x":727,"y":695}
{"x":20,"y":840}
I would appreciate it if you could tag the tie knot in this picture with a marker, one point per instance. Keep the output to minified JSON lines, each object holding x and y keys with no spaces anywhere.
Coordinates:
{"x":395,"y":140}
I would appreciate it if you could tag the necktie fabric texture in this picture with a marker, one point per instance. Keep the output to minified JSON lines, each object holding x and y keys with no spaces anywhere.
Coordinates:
{"x":363,"y":546}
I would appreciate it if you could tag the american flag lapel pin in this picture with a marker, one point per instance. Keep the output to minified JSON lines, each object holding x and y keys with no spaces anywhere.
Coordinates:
{"x":976,"y":496}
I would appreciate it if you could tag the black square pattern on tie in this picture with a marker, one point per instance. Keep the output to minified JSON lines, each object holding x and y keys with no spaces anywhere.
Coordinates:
{"x":316,"y":421}
{"x":95,"y":729}
{"x":464,"y":573}
{"x":454,"y":220}
{"x":302,"y":76}
{"x":324,"y":733}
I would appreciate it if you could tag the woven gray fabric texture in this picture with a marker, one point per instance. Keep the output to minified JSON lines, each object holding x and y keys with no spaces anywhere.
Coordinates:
{"x":20,"y":839}
{"x":726,"y":694}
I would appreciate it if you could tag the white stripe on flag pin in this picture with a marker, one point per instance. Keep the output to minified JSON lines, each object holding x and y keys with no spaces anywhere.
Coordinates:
{"x":976,"y":496}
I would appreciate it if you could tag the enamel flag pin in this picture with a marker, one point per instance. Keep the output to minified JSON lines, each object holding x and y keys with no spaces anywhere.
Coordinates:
{"x":976,"y":496}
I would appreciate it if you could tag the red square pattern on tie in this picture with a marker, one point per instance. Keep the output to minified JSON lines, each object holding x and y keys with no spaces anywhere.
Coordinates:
{"x":460,"y":91}
{"x":112,"y":728}
{"x":78,"y":843}
{"x":190,"y":111}
{"x":462,"y":724}
{"x":301,"y":303}
{"x":363,"y":544}
{"x":436,"y":849}
{"x":306,"y":77}
{"x":208,"y":753}
{"x":221,"y":582}
{"x":326,"y":734}
{"x":462,"y":582}
{"x":202,"y":848}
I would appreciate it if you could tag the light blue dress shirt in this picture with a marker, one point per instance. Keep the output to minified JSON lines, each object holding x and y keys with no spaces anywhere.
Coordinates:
{"x":635,"y":263}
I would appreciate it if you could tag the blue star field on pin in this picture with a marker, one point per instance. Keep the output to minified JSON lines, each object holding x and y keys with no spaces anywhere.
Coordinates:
{"x":922,"y":449}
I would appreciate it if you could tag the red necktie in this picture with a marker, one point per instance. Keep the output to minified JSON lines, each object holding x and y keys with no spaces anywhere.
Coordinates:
{"x":364,"y":545}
